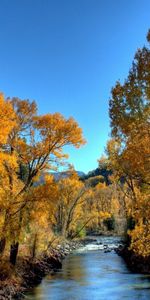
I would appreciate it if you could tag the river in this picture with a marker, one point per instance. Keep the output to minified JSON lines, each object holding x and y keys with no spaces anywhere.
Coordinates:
{"x":91,"y":273}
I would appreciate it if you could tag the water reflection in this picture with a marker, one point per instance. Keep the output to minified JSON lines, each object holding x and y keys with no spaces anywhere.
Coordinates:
{"x":93,"y":275}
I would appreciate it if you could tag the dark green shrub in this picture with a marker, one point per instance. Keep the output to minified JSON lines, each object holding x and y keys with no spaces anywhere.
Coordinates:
{"x":109,"y":223}
{"x":130,"y":223}
{"x":80,"y":232}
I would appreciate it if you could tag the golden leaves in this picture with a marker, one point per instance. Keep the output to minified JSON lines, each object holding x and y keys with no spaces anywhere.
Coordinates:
{"x":56,"y":131}
{"x":7,"y":119}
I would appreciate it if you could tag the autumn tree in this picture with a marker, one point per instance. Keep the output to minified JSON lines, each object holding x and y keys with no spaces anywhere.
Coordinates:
{"x":7,"y":162}
{"x":37,"y":143}
{"x":68,"y":210}
{"x":129,"y":150}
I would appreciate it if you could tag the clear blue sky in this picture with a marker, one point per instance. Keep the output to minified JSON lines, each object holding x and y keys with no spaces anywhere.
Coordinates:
{"x":67,"y":54}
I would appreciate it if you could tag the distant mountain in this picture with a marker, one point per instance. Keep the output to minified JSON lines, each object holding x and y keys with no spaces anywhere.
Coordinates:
{"x":80,"y":173}
{"x":57,"y":176}
{"x":60,"y":175}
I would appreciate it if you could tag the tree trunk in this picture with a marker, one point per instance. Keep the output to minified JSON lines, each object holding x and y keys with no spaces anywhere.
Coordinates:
{"x":15,"y":245}
{"x":4,"y":229}
{"x":64,"y":229}
{"x":34,"y":246}
{"x":2,"y":245}
{"x":13,"y":253}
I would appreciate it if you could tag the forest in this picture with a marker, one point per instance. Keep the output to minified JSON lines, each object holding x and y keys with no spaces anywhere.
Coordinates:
{"x":115,"y":198}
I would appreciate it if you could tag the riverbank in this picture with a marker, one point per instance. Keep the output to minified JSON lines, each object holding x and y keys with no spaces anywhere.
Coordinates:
{"x":136,"y":263}
{"x":27,"y":273}
{"x":92,"y":273}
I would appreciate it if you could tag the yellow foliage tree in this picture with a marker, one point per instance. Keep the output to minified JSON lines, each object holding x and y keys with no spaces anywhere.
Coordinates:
{"x":34,"y":143}
{"x":129,"y":150}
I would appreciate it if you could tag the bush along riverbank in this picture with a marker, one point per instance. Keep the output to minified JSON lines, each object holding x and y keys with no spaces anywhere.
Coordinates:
{"x":136,"y":263}
{"x":14,"y":281}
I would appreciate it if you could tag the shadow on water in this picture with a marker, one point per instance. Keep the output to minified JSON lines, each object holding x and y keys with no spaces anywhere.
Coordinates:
{"x":93,"y":275}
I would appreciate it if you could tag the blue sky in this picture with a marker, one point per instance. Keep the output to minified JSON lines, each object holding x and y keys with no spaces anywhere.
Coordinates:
{"x":67,"y":55}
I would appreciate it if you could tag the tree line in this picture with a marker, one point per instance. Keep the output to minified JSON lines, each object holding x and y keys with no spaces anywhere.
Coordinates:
{"x":33,"y":213}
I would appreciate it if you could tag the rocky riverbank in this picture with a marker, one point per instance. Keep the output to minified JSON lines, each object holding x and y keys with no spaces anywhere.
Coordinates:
{"x":135,"y":263}
{"x":14,"y":282}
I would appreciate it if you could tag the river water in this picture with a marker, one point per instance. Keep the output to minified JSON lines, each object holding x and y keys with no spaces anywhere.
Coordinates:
{"x":90,"y":273}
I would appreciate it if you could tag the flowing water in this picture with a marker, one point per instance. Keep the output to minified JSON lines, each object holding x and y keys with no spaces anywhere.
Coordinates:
{"x":92,"y":273}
